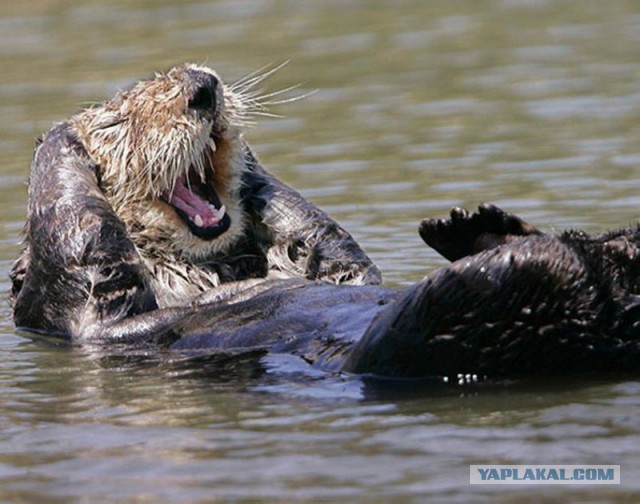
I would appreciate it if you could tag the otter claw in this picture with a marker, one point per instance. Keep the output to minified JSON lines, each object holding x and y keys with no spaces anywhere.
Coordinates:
{"x":489,"y":209}
{"x":459,"y":213}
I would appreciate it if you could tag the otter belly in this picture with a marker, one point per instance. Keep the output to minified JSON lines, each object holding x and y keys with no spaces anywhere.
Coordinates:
{"x":317,"y":322}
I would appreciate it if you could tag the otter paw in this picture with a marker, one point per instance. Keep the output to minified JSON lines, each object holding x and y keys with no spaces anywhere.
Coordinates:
{"x":452,"y":238}
{"x":465,"y":234}
{"x":496,"y":221}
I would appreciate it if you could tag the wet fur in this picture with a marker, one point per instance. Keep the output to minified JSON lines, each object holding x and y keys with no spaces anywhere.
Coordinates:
{"x":95,"y":222}
{"x":105,"y":265}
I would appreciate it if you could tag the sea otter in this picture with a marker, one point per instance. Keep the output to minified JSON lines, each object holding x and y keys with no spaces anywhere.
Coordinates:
{"x":151,"y":221}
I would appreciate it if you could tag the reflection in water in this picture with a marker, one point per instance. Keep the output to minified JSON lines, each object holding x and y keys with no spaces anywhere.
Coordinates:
{"x":420,"y":106}
{"x":94,"y":421}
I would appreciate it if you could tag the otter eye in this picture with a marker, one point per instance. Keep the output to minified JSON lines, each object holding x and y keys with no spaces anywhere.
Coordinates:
{"x":203,"y":99}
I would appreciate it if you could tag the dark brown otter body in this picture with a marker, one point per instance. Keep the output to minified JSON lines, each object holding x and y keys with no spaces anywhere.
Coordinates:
{"x":156,"y":224}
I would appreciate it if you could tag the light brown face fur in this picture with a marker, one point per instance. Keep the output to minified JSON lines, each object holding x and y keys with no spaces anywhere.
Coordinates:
{"x":148,"y":138}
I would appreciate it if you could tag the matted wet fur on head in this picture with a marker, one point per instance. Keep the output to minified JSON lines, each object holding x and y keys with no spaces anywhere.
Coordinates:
{"x":171,"y":154}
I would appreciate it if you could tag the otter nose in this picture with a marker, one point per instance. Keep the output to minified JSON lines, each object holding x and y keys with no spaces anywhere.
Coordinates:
{"x":203,"y":94}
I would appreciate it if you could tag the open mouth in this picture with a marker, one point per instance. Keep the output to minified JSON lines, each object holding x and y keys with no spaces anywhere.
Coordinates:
{"x":198,"y":205}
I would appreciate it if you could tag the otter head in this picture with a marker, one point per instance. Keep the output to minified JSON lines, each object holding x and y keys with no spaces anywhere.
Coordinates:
{"x":170,"y":154}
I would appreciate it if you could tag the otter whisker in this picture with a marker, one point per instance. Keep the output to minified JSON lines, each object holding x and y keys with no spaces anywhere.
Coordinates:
{"x":256,"y":77}
{"x":257,"y":96}
{"x":251,"y":101}
{"x":257,"y":103}
{"x":291,"y":99}
{"x":263,"y":114}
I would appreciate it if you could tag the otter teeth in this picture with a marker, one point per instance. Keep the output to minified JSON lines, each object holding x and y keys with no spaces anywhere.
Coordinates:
{"x":216,"y":215}
{"x":212,"y":144}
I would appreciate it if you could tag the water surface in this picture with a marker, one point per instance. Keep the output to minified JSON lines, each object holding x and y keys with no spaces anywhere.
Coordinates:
{"x":420,"y":105}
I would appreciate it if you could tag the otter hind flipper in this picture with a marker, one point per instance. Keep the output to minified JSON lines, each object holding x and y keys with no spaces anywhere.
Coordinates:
{"x":465,"y":234}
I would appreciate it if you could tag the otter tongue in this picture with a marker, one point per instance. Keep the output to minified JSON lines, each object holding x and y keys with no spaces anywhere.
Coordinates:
{"x":200,"y":211}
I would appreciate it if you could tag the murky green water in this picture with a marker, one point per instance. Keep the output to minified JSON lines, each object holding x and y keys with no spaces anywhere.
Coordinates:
{"x":420,"y":105}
